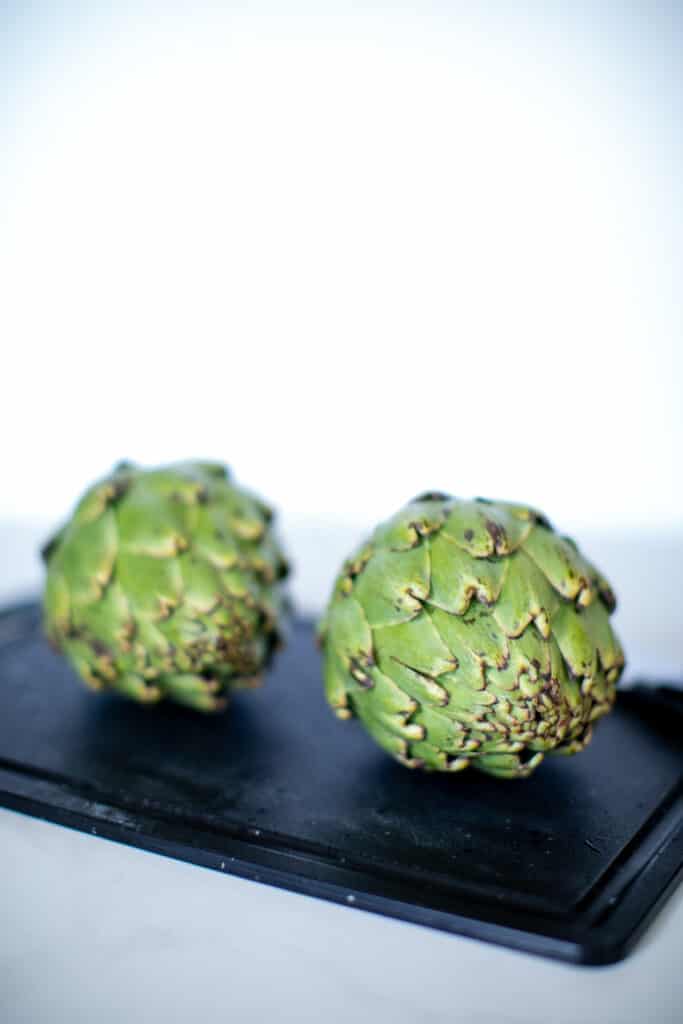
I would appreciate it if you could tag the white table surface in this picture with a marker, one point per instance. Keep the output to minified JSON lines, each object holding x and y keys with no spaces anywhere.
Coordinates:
{"x":91,"y":930}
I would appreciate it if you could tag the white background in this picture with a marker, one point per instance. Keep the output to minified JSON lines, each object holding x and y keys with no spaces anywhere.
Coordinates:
{"x":355,"y":253}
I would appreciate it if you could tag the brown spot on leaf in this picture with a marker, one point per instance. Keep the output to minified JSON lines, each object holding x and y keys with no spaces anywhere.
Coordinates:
{"x":431,"y":496}
{"x":496,"y":532}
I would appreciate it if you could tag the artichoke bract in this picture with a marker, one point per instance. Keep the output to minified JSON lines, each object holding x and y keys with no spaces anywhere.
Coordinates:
{"x":470,"y":633}
{"x":166,"y":583}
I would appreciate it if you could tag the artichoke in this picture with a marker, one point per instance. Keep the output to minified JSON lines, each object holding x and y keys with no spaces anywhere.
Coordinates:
{"x":470,"y":633}
{"x":166,"y":583}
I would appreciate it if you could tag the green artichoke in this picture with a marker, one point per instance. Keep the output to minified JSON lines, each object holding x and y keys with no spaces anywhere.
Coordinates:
{"x":166,"y":583}
{"x":470,"y":633}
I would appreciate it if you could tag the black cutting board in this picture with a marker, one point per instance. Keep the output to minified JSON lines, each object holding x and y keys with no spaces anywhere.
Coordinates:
{"x":570,"y":863}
